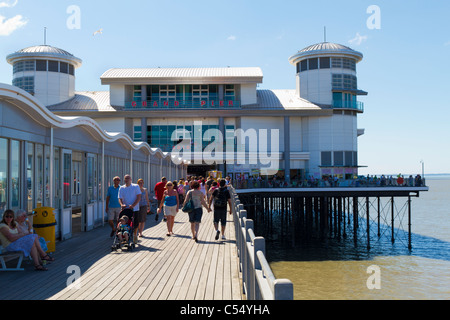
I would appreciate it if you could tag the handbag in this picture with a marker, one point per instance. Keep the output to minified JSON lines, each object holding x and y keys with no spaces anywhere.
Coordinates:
{"x":189,"y":205}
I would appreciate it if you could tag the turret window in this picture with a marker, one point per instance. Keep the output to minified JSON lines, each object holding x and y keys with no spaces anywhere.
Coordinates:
{"x":43,"y":65}
{"x":326,"y":63}
{"x":24,"y":83}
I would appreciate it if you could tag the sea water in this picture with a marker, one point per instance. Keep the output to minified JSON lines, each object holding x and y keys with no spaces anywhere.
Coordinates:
{"x":339,"y":269}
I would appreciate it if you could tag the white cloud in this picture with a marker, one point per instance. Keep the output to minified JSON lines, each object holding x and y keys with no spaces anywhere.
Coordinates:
{"x":358,"y":39}
{"x":9,"y":26}
{"x":8,"y":3}
{"x":231,"y":38}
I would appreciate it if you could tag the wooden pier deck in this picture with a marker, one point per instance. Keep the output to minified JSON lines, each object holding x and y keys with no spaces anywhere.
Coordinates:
{"x":159,"y":268}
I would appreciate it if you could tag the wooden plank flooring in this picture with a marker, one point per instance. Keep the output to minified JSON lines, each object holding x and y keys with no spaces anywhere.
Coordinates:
{"x":159,"y":268}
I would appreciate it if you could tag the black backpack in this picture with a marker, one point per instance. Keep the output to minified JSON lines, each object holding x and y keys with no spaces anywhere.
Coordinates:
{"x":220,"y":199}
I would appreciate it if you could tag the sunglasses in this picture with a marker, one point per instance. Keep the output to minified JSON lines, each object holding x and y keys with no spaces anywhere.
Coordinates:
{"x":9,"y":217}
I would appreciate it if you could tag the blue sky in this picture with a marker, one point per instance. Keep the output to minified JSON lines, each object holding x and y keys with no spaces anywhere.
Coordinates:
{"x":405,"y":69}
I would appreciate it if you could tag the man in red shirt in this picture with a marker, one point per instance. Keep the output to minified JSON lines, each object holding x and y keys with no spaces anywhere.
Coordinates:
{"x":159,"y":192}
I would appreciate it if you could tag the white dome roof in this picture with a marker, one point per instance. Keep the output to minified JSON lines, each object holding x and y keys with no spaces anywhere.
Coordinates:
{"x":325,"y":49}
{"x":43,"y":51}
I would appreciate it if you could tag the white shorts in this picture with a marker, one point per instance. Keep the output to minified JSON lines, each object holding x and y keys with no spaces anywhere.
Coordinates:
{"x":113,"y":213}
{"x":170,"y":210}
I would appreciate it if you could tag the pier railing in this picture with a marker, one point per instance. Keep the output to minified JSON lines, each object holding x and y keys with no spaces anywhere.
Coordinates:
{"x":328,"y":183}
{"x":258,"y":280}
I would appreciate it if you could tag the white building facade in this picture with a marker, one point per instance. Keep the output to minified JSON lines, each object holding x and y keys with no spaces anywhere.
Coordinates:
{"x":294,"y":134}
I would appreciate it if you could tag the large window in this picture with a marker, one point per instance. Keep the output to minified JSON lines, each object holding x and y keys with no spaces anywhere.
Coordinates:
{"x":24,"y":83}
{"x":160,"y":136}
{"x":3,"y":174}
{"x":344,"y":82}
{"x":326,"y":63}
{"x":26,"y":65}
{"x":39,"y":183}
{"x":326,"y":158}
{"x":30,"y":176}
{"x":44,"y":65}
{"x":188,"y":95}
{"x":15,"y":174}
{"x":339,"y":158}
{"x":343,"y":63}
{"x":67,"y":177}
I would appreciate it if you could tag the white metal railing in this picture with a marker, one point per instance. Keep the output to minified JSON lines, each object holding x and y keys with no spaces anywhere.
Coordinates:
{"x":258,"y":280}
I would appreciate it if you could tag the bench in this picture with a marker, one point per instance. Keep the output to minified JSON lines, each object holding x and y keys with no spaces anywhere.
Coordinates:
{"x":6,"y":256}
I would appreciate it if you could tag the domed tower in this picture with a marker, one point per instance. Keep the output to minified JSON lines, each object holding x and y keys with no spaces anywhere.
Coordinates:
{"x":46,"y":72}
{"x":326,"y":75}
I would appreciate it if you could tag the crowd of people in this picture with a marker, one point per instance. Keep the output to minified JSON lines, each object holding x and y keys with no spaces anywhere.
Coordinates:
{"x":16,"y":232}
{"x":171,"y":197}
{"x":329,"y":181}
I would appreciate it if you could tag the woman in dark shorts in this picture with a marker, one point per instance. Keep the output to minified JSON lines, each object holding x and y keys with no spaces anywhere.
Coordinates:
{"x":195,"y":216}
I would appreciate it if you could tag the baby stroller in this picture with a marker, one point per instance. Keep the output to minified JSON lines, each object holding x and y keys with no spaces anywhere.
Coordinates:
{"x":130,"y":243}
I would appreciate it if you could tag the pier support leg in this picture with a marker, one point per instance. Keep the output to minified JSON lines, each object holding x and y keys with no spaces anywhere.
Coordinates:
{"x":378,"y":211}
{"x":355,"y":219}
{"x":409,"y":223}
{"x":392,"y":220}
{"x":368,"y":223}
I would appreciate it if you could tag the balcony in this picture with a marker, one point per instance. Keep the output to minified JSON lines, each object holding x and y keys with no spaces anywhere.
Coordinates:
{"x":162,"y":104}
{"x":354,"y":105}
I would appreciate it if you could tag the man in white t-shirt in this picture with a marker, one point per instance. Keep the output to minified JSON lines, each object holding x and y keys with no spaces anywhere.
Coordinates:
{"x":129,"y":197}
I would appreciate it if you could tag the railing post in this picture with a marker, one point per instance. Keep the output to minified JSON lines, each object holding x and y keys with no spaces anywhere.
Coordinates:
{"x":259,"y":244}
{"x":283,"y":289}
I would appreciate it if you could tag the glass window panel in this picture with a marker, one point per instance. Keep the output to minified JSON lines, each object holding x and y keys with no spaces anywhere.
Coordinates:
{"x":336,"y":62}
{"x":15,"y":173}
{"x":3,"y":174}
{"x":303,"y":65}
{"x":41,"y":65}
{"x":67,"y":177}
{"x":348,"y":158}
{"x":53,"y":66}
{"x":39,"y":189}
{"x":64,"y":67}
{"x":30,"y":177}
{"x":56,"y":177}
{"x":29,"y":65}
{"x":326,"y":158}
{"x":90,"y":179}
{"x":338,"y":158}
{"x":18,"y":66}
{"x":325,"y":63}
{"x":313,"y":63}
{"x":71,"y":69}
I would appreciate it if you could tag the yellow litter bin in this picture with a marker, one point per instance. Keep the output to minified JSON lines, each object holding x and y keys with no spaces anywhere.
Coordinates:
{"x":44,"y":224}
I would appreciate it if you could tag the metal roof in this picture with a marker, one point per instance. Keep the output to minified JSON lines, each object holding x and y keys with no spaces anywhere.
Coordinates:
{"x":148,"y":75}
{"x":43,"y":51}
{"x":282,"y":99}
{"x":323,"y":49}
{"x":85,"y":101}
{"x":266,"y":100}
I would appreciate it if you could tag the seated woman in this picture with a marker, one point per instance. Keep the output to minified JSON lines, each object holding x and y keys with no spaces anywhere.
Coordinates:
{"x":14,"y":239}
{"x":24,"y":225}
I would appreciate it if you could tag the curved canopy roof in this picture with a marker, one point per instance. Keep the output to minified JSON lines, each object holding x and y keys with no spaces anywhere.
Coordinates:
{"x":42,"y":51}
{"x":325,"y":49}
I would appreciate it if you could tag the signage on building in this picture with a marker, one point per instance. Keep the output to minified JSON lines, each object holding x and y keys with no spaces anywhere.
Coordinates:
{"x":184,"y":103}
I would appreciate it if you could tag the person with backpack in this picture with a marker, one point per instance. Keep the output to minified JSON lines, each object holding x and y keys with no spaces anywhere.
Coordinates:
{"x":221,"y":197}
